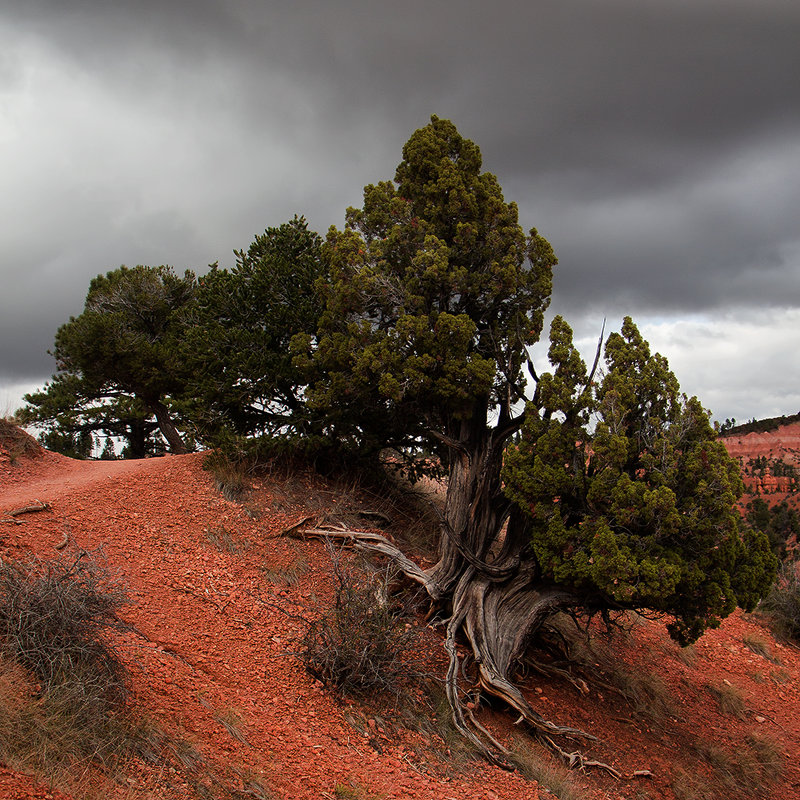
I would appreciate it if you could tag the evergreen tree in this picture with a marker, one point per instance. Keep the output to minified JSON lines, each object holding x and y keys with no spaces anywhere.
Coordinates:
{"x":615,"y":494}
{"x":244,"y":383}
{"x":119,"y":362}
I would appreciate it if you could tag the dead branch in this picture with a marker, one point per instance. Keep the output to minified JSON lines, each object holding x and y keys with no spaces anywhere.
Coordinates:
{"x":36,"y":505}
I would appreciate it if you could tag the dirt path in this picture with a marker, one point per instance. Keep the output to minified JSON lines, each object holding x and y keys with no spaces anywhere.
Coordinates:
{"x":58,"y":477}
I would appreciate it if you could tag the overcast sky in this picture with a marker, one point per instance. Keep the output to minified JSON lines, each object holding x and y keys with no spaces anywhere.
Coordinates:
{"x":655,"y":143}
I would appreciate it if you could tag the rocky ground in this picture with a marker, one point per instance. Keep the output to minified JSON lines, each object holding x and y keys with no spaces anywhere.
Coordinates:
{"x":218,"y":599}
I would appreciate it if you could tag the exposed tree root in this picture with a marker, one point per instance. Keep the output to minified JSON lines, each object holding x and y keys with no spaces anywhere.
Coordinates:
{"x":370,"y":542}
{"x":498,"y":619}
{"x":36,"y":505}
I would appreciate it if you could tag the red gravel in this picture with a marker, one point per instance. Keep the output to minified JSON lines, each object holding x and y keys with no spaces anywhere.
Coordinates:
{"x":214,"y":651}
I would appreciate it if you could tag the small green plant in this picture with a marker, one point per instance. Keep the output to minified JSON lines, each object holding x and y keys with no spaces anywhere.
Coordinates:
{"x":729,"y":699}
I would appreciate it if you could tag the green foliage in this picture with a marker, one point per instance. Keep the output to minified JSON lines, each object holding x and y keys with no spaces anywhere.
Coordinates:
{"x":119,"y":362}
{"x":434,"y":294}
{"x":780,"y":523}
{"x":637,"y":509}
{"x":758,"y":425}
{"x":244,"y":383}
{"x":782,"y":604}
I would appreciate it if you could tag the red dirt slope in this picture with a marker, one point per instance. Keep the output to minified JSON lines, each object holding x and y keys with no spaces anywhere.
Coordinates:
{"x":214,"y":665}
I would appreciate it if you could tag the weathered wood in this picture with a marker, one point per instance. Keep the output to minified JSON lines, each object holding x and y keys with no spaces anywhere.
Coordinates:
{"x":36,"y":505}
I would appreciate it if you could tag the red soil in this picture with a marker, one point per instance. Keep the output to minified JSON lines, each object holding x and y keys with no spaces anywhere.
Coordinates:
{"x":215,"y":645}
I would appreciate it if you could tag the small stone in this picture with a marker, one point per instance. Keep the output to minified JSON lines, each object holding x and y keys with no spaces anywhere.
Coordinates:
{"x":761,"y":720}
{"x":726,"y":682}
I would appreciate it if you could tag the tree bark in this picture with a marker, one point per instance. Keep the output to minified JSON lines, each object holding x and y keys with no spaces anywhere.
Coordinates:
{"x":167,"y":427}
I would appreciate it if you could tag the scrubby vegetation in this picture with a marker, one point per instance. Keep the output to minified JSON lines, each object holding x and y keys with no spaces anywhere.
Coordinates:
{"x":65,"y":691}
{"x":782,"y":604}
{"x":757,"y":425}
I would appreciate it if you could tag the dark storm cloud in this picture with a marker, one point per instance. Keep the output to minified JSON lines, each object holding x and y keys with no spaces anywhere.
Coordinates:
{"x":656,"y":143}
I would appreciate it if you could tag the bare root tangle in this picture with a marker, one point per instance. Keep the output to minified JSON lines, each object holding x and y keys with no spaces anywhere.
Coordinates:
{"x":498,"y":619}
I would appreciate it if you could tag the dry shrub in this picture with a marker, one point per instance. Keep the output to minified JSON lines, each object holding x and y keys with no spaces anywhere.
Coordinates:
{"x":361,"y":646}
{"x":782,"y":604}
{"x":67,"y":707}
{"x":55,"y":619}
{"x":16,"y":441}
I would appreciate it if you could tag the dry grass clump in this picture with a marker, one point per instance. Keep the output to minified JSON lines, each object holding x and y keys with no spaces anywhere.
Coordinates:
{"x":16,"y":442}
{"x":729,"y":700}
{"x":63,"y":690}
{"x":231,"y":474}
{"x":538,"y":764}
{"x":759,"y":645}
{"x":66,"y":710}
{"x":225,"y":540}
{"x":748,"y":771}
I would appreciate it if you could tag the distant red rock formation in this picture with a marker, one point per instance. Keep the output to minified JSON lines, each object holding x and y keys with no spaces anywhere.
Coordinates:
{"x":770,"y":462}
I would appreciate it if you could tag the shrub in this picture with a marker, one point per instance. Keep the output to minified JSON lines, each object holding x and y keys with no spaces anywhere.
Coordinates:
{"x":782,"y":604}
{"x":358,"y":647}
{"x":63,"y":689}
{"x":54,"y":620}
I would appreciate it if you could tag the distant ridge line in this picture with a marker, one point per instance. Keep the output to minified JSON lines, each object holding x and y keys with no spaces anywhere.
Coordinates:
{"x":760,"y":425}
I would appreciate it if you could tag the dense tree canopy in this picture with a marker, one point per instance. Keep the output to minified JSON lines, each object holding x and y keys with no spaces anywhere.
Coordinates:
{"x":435,"y":292}
{"x":638,"y":511}
{"x":615,"y":493}
{"x":120,"y":360}
{"x":243,"y":380}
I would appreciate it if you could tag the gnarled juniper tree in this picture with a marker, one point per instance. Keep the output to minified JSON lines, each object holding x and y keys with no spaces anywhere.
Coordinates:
{"x":576,"y":492}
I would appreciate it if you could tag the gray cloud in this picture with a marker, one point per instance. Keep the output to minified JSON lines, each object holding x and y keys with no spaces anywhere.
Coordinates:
{"x":656,"y":143}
